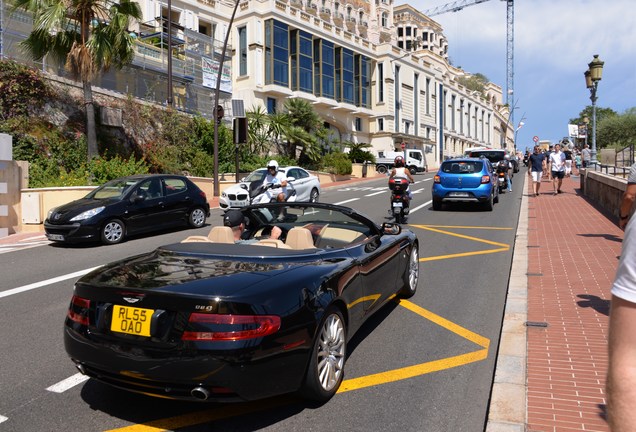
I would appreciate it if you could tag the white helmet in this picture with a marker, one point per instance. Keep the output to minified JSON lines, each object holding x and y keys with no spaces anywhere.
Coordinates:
{"x":272,"y":164}
{"x":507,"y":157}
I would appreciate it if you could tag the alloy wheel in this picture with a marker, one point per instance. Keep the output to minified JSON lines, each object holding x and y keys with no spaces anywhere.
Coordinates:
{"x":331,"y":352}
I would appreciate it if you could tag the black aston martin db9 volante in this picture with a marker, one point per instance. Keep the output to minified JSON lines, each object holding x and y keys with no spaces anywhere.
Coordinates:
{"x":127,"y":206}
{"x":211,"y":319}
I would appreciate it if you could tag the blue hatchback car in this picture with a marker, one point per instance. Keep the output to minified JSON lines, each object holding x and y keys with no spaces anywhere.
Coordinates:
{"x":465,"y":180}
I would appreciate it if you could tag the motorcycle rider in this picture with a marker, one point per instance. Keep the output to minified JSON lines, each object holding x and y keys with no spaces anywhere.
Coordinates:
{"x":277,"y":179}
{"x":399,"y":170}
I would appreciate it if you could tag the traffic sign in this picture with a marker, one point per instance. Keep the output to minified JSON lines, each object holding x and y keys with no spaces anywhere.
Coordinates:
{"x":403,"y":146}
{"x":535,"y":138}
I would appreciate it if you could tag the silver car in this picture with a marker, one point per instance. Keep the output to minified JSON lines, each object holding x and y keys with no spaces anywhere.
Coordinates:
{"x":307,"y":187}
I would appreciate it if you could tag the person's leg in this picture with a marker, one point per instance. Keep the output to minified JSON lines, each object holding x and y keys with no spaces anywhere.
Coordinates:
{"x":537,"y":182}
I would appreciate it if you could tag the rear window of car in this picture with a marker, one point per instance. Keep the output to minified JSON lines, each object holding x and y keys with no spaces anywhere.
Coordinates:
{"x":491,"y":155}
{"x":175,"y":185}
{"x":464,"y":167}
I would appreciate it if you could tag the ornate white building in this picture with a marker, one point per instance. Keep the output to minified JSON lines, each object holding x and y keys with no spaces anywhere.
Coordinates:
{"x":376,"y":73}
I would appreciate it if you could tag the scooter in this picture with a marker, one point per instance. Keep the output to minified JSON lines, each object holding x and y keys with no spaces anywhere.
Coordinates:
{"x":399,"y":198}
{"x":502,"y":180}
{"x":268,"y":192}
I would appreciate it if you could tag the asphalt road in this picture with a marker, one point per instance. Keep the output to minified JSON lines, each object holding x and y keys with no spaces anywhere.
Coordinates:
{"x":426,"y":364}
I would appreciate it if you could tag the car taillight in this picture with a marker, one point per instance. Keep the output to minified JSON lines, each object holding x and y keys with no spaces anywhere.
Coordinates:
{"x":202,"y":194}
{"x":215,"y":327}
{"x":78,"y":310}
{"x":485,"y":179}
{"x":436,"y":179}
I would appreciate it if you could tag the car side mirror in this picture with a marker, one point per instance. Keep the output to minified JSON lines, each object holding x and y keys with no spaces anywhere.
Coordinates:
{"x":291,"y":179}
{"x":243,"y":186}
{"x":138,"y":197}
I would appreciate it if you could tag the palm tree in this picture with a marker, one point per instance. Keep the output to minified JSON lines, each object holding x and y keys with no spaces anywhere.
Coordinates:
{"x":258,"y":131}
{"x":88,"y":36}
{"x":308,"y":129}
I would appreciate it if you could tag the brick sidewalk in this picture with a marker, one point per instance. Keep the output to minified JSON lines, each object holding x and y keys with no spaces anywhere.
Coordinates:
{"x":573,"y":252}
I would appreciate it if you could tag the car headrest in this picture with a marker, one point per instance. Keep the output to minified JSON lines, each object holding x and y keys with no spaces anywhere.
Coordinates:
{"x":221,"y":234}
{"x":299,"y":238}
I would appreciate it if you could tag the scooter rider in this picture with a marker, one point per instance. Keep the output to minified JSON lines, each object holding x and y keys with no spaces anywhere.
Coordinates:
{"x":277,"y":179}
{"x":400,"y":171}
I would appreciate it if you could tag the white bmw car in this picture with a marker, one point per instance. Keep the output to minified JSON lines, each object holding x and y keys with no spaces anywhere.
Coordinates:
{"x":307,"y":187}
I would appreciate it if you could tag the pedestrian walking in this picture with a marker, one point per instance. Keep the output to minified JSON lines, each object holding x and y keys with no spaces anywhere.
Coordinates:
{"x":568,"y":159}
{"x":621,"y":373}
{"x":587,"y":156}
{"x":629,"y":196}
{"x":557,"y":168}
{"x":577,"y":161}
{"x":537,"y":167}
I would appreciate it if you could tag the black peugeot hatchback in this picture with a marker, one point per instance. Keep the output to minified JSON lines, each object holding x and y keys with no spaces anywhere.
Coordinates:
{"x":127,"y":206}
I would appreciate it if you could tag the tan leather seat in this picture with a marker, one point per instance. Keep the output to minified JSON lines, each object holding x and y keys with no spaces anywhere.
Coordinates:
{"x":218,"y":234}
{"x":196,"y":239}
{"x":272,"y":243}
{"x":300,"y":238}
{"x":221,"y":234}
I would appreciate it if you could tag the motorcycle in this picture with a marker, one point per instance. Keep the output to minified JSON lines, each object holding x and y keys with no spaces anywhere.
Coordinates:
{"x":399,"y":198}
{"x":502,"y":180}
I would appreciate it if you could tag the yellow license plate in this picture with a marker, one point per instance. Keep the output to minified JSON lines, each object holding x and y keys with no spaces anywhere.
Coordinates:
{"x":130,"y":320}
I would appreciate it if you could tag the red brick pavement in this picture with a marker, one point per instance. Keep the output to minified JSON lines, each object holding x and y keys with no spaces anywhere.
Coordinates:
{"x":573,"y":251}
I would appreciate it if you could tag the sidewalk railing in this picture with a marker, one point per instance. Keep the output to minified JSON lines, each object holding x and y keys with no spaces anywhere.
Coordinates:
{"x":617,"y":171}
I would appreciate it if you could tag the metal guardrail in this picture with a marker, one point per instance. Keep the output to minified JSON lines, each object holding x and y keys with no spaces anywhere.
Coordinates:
{"x":616,"y":171}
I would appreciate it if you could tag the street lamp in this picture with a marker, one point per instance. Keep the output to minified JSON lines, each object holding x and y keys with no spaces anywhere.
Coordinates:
{"x":519,"y":126}
{"x":218,"y":112}
{"x":593,"y":75}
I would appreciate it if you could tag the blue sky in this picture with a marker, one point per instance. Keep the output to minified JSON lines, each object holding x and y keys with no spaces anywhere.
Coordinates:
{"x":554,"y":42}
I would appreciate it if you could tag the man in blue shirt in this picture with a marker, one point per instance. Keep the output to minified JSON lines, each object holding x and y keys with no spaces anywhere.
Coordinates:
{"x":537,"y":166}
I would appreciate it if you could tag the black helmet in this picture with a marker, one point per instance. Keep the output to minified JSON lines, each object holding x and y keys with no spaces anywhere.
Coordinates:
{"x":399,"y":161}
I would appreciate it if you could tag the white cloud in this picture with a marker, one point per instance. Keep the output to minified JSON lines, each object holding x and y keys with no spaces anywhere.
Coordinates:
{"x":553,"y":43}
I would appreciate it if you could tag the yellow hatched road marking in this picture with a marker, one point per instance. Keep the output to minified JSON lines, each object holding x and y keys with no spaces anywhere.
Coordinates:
{"x":434,"y":228}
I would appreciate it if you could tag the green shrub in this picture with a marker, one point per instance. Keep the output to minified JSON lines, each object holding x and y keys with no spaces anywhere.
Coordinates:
{"x":21,"y":89}
{"x":104,"y":170}
{"x":337,"y":163}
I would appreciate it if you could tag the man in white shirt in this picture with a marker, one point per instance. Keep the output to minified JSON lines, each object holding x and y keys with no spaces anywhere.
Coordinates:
{"x":277,"y":179}
{"x":621,"y":373}
{"x":557,"y":168}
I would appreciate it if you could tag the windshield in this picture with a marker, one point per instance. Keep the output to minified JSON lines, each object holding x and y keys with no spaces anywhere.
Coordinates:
{"x":257,"y":175}
{"x":113,"y":189}
{"x":311,"y":217}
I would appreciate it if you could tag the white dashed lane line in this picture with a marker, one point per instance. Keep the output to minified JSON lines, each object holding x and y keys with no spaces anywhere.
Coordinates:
{"x":3,"y":418}
{"x":44,"y":283}
{"x":68,"y":383}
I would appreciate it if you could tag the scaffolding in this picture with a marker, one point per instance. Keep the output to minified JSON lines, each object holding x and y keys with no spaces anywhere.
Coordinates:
{"x":194,"y":56}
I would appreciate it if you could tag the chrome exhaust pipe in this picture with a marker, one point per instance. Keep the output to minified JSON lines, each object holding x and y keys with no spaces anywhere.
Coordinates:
{"x":200,"y":393}
{"x":80,"y":367}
